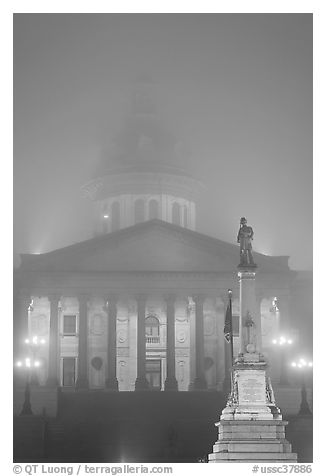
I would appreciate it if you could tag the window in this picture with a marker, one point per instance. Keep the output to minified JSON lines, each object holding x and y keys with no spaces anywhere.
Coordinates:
{"x":152,"y":326}
{"x":153,"y":209}
{"x":176,"y":214}
{"x":68,"y":371}
{"x":139,"y":211}
{"x":153,"y":374}
{"x":115,"y":212}
{"x":69,"y":325}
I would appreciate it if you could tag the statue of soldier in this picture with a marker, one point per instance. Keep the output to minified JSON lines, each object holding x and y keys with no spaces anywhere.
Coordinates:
{"x":245,"y":236}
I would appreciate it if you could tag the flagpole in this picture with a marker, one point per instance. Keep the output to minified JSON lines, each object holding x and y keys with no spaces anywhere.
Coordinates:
{"x":231,"y":329}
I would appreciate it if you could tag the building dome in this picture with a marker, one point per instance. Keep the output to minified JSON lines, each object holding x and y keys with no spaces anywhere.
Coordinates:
{"x":142,"y":177}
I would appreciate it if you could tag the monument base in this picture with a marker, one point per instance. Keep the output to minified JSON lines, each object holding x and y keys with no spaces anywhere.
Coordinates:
{"x":251,"y":426}
{"x":251,"y":441}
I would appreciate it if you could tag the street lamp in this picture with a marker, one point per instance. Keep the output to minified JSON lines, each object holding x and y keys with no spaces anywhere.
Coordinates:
{"x":34,"y":345}
{"x":30,"y":365}
{"x":27,"y":364}
{"x":303,"y":365}
{"x":283,"y":343}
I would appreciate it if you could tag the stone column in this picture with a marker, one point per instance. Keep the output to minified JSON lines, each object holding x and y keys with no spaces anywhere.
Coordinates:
{"x":141,"y":381}
{"x":170,"y":381}
{"x":112,"y":381}
{"x":249,"y":326}
{"x":82,"y":379}
{"x":52,"y":380}
{"x":21,"y":327}
{"x":199,"y":382}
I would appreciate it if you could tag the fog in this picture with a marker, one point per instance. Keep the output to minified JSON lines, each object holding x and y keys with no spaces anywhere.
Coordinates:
{"x":235,"y":89}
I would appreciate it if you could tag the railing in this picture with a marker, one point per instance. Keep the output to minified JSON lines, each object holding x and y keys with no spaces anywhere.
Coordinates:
{"x":152,"y":339}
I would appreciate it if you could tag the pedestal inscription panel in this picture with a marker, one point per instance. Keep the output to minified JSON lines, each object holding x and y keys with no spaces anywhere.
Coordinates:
{"x":251,"y":387}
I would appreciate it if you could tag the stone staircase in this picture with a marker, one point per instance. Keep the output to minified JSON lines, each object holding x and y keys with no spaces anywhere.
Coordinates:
{"x":133,"y":427}
{"x":28,"y":442}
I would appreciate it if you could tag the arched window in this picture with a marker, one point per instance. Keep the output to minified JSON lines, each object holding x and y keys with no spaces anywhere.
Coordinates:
{"x":176,"y":214}
{"x":152,"y":326}
{"x":115,"y":216}
{"x":139,"y":211}
{"x":185,"y":217}
{"x":153,"y":209}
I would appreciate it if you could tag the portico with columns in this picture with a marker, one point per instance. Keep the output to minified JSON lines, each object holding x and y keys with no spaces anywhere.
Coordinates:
{"x":158,"y":326}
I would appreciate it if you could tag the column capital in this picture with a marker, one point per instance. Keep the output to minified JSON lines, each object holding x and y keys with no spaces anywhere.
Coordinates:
{"x":83,"y":297}
{"x":141,"y":298}
{"x":112,"y":298}
{"x":170,"y":297}
{"x":54,"y":297}
{"x":198,"y":298}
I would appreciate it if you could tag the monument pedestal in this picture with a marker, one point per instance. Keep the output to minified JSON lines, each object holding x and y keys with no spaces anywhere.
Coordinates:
{"x":251,"y":426}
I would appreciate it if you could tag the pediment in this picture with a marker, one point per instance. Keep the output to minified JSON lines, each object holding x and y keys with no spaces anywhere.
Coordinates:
{"x":150,"y":246}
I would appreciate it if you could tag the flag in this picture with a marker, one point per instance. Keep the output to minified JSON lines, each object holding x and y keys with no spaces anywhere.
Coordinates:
{"x":228,"y":324}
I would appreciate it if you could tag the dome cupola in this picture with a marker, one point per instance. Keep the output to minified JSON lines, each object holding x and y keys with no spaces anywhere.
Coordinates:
{"x":143,"y":176}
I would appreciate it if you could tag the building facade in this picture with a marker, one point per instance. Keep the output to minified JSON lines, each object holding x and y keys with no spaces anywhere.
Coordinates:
{"x":142,"y":304}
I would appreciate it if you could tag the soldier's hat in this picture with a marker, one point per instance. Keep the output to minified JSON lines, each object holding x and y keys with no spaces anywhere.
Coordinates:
{"x":243,"y":220}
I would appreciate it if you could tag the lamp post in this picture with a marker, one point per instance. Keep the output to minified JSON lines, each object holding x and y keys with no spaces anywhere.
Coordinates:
{"x":34,"y":345}
{"x":30,"y":364}
{"x":303,"y":366}
{"x":283,"y":343}
{"x":27,"y":364}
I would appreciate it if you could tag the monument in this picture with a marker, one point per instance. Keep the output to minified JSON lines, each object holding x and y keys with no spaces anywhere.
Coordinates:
{"x":251,"y":428}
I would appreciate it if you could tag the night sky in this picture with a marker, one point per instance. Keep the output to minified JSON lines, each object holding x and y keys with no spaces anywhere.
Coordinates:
{"x":236,"y":89}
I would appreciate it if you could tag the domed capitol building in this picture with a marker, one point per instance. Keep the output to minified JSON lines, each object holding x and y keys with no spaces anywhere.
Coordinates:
{"x":141,"y":305}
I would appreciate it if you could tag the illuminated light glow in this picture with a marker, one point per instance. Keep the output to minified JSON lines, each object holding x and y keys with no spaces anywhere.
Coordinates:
{"x":37,"y":364}
{"x":105,"y":216}
{"x":289,"y":341}
{"x":299,"y":365}
{"x":310,"y":364}
{"x":274,"y":341}
{"x":35,"y":340}
{"x":28,"y":362}
{"x":42,"y":341}
{"x":26,"y":341}
{"x":294,"y":364}
{"x":302,"y":361}
{"x":19,"y":364}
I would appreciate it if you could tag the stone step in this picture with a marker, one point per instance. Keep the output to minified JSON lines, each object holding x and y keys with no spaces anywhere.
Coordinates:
{"x":250,"y":457}
{"x":254,"y":446}
{"x":251,"y":432}
{"x":247,"y":436}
